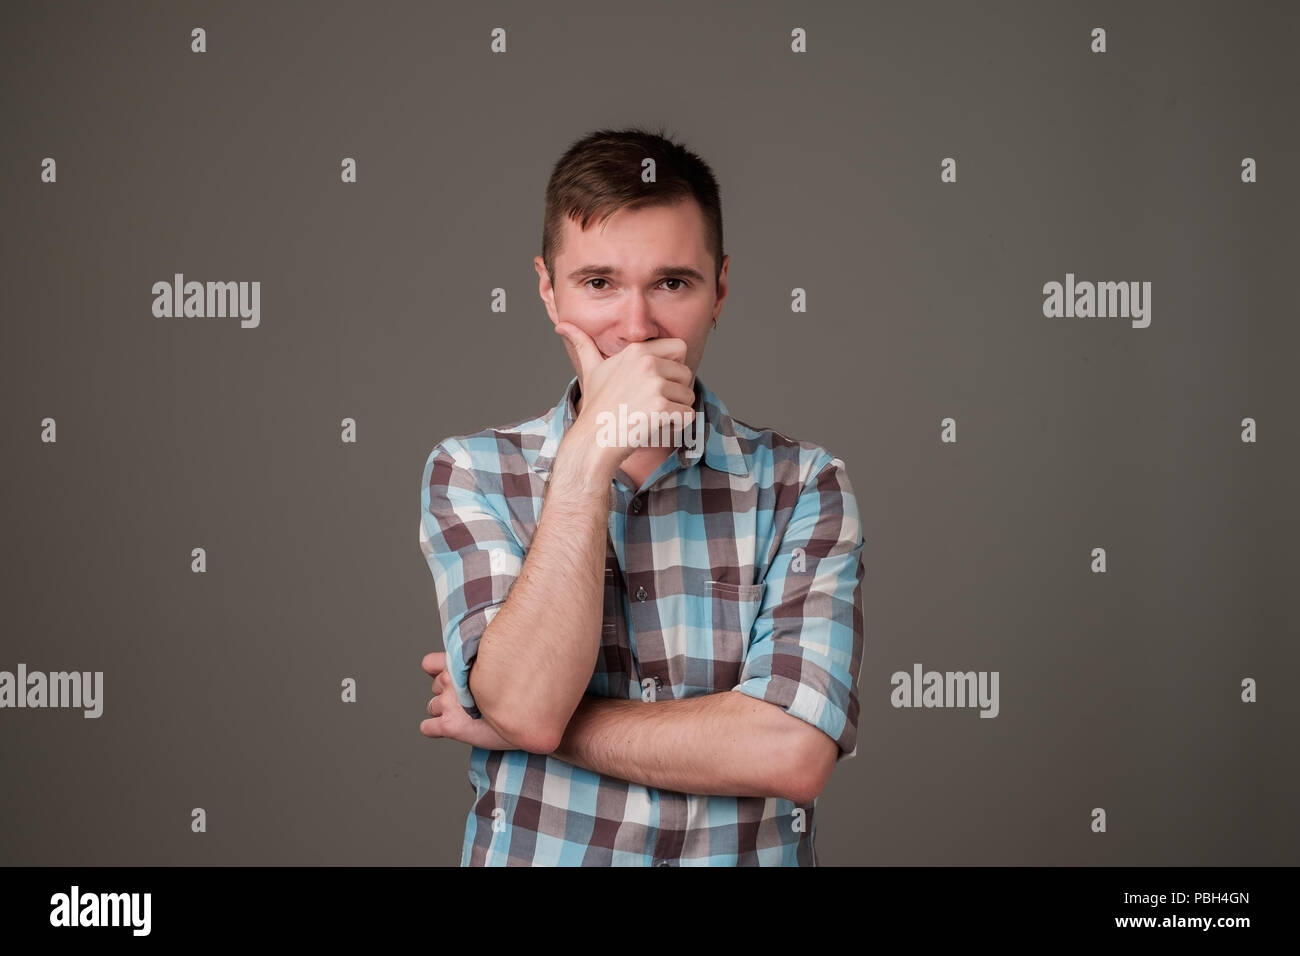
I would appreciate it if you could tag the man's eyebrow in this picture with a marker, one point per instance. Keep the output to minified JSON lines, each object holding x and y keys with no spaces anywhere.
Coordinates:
{"x":687,"y":272}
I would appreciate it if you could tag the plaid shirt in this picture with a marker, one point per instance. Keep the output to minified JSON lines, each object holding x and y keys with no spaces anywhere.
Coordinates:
{"x":741,"y":572}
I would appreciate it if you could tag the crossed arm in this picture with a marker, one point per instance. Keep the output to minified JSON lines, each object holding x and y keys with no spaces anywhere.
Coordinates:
{"x":727,"y":744}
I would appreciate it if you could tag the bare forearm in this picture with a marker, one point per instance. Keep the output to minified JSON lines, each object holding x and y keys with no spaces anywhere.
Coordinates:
{"x":724,"y":744}
{"x":536,"y":657}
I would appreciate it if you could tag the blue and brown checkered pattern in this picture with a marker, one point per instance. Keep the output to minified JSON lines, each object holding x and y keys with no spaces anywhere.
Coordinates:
{"x":736,"y":569}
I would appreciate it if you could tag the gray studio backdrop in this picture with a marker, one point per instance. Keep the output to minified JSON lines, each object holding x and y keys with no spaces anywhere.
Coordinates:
{"x":1119,"y":690}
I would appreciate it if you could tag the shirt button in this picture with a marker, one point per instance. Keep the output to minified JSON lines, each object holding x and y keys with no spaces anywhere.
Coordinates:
{"x":659,"y":682}
{"x":641,"y":594}
{"x":636,"y":505}
{"x":662,"y":863}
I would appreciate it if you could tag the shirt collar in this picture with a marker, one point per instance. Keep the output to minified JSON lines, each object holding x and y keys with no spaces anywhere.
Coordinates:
{"x":722,"y":450}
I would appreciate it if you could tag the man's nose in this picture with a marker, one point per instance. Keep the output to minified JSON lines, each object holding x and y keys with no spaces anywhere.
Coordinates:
{"x":635,"y":323}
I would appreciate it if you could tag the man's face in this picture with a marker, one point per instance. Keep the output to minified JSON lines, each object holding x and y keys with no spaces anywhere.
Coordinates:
{"x":643,"y":274}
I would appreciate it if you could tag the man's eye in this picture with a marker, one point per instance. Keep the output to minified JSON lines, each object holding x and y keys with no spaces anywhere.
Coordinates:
{"x":681,"y":283}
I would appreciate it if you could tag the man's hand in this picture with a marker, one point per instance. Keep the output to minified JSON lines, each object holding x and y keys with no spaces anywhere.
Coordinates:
{"x":650,"y":377}
{"x":447,"y":718}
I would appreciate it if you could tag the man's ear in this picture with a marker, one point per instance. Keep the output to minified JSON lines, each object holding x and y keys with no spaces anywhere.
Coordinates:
{"x":722,"y":281}
{"x":545,"y":290}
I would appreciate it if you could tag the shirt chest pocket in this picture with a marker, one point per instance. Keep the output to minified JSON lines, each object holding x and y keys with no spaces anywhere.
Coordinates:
{"x":721,"y":620}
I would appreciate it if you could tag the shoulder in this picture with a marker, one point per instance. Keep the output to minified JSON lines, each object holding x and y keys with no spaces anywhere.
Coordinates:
{"x":803,"y":485}
{"x":491,"y":451}
{"x":779,"y":460}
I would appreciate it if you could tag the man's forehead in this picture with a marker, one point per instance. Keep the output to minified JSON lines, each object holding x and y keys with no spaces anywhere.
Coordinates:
{"x":684,"y":210}
{"x":684,"y":248}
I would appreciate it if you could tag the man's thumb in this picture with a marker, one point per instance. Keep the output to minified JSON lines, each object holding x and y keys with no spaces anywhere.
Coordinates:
{"x":588,"y":355}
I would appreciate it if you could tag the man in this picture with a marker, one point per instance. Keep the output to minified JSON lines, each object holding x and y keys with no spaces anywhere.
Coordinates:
{"x":653,"y":642}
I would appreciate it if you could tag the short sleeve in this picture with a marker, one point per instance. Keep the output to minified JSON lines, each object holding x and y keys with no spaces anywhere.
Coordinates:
{"x":474,"y":556}
{"x":805,"y":652}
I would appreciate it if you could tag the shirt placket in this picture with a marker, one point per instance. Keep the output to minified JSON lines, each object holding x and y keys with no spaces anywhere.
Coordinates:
{"x":645,"y":637}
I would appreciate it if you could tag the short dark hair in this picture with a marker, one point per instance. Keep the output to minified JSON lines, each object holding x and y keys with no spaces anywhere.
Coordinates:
{"x":601,"y":174}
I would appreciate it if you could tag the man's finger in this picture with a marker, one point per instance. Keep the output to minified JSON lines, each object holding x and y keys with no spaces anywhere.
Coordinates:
{"x":674,"y":349}
{"x":589,"y":357}
{"x":676,"y":372}
{"x":434,"y":662}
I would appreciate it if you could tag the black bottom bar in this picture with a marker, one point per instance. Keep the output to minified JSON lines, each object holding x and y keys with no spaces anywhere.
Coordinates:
{"x":239,"y":904}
